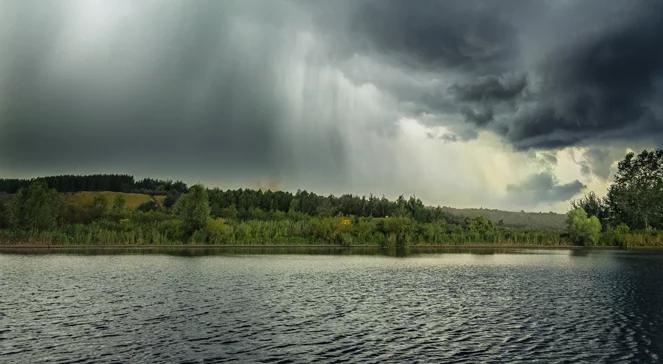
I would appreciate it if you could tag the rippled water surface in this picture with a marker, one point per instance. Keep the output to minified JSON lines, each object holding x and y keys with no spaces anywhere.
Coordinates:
{"x":551,"y":306}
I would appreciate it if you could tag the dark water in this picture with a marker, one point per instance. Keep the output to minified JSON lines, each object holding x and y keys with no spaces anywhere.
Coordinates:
{"x":547,"y":306}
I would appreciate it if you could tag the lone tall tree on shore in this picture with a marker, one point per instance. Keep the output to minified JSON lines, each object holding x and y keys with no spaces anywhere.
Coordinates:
{"x":193,"y":208}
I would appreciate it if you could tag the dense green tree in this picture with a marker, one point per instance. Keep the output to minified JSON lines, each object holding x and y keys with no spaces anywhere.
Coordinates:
{"x":583,"y":229}
{"x":158,"y":187}
{"x":97,"y":182}
{"x":615,"y":235}
{"x":4,"y":213}
{"x":417,"y":210}
{"x":229,"y":212}
{"x":325,"y":209}
{"x":193,"y":208}
{"x":593,"y":206}
{"x":480,"y":224}
{"x":149,"y":205}
{"x":397,"y":230}
{"x":36,"y":207}
{"x":218,"y":232}
{"x":171,"y":198}
{"x":636,"y":196}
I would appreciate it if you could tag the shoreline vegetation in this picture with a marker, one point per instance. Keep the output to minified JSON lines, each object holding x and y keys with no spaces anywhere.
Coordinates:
{"x":110,"y":210}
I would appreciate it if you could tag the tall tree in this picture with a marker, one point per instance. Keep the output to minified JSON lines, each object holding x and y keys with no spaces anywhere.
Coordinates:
{"x":593,"y":206}
{"x":193,"y":208}
{"x":4,"y":213}
{"x":636,"y":196}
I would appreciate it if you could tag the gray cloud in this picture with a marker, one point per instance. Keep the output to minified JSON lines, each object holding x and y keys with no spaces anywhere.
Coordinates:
{"x":543,"y":187}
{"x":467,"y":35}
{"x":542,"y":75}
{"x":292,"y":91}
{"x":548,"y":158}
{"x":490,"y":89}
{"x":481,"y":100}
{"x":598,"y":161}
{"x":602,"y":86}
{"x":191,"y":87}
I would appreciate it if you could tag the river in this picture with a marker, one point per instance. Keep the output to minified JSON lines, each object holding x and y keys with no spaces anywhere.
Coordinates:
{"x":514,"y":306}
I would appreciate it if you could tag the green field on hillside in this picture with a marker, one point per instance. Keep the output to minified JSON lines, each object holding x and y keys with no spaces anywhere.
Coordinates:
{"x":132,"y":200}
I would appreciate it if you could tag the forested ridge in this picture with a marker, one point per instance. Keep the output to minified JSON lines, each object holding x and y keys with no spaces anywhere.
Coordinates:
{"x":249,"y":203}
{"x":96,"y":182}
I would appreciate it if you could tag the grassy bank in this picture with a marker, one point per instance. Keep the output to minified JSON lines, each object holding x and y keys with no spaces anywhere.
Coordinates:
{"x":161,"y":229}
{"x":308,"y":232}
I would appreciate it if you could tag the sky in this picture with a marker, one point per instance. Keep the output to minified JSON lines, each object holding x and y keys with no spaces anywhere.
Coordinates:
{"x":518,"y":105}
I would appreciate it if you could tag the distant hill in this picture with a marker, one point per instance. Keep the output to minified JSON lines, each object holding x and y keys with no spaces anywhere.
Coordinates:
{"x":542,"y":220}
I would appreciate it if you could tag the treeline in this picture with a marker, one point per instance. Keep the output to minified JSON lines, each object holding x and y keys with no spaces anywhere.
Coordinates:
{"x":39,"y":214}
{"x":243,"y":203}
{"x":630,"y":213}
{"x":544,"y":220}
{"x":247,"y":204}
{"x":96,"y":182}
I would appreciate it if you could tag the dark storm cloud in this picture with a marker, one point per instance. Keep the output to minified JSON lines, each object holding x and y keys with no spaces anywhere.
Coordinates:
{"x":543,"y":187}
{"x":467,"y":35}
{"x":543,"y":75}
{"x":490,"y":89}
{"x":482,"y":98}
{"x":603,"y":86}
